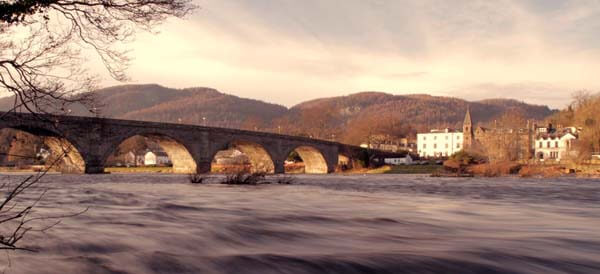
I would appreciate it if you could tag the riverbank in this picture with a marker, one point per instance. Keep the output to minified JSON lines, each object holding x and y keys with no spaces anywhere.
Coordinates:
{"x":522,"y":170}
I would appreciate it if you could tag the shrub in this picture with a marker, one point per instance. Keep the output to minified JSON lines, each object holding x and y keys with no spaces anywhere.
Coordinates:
{"x":496,"y":169}
{"x":196,"y":178}
{"x":464,"y":157}
{"x":245,"y":178}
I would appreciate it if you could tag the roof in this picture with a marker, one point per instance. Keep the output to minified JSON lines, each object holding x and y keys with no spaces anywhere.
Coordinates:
{"x":559,"y":135}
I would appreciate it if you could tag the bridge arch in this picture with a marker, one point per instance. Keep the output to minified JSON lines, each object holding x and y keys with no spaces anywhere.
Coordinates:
{"x":63,"y":152}
{"x":313,"y":159}
{"x":257,"y":156}
{"x":178,"y":153}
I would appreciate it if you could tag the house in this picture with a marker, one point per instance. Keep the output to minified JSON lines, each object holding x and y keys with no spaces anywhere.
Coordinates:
{"x":231,"y":157}
{"x":389,"y":143}
{"x":406,"y":160}
{"x":554,"y":146}
{"x":131,"y":159}
{"x":43,"y":154}
{"x":439,"y":143}
{"x":521,"y":136}
{"x":156,"y":158}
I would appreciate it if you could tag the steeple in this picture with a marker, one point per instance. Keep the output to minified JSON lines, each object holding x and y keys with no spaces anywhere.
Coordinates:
{"x":468,"y":118}
{"x":468,"y":135}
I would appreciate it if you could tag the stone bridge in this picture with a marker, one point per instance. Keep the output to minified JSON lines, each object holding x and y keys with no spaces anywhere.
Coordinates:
{"x":89,"y":141}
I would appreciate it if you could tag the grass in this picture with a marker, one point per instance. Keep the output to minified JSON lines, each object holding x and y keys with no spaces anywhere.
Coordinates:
{"x":146,"y":169}
{"x":408,"y":169}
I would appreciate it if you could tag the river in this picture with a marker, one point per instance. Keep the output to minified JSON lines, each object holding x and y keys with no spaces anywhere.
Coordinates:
{"x":148,"y":223}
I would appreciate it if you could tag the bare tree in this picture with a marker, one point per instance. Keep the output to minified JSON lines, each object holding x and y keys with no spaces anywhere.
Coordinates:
{"x":17,"y":211}
{"x":585,"y":115}
{"x":507,"y":140}
{"x":42,"y":46}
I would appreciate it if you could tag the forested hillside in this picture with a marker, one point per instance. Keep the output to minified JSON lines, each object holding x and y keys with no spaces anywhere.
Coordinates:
{"x":352,"y":118}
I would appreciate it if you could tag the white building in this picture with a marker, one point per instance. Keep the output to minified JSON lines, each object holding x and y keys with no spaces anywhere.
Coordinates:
{"x":406,"y":160}
{"x":439,"y":143}
{"x":554,"y":146}
{"x":156,"y":158}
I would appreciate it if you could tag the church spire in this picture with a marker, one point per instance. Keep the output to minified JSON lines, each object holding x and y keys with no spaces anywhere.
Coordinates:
{"x":468,"y":121}
{"x":468,"y":135}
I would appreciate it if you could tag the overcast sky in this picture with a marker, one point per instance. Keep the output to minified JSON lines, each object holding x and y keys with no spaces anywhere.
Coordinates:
{"x":288,"y":51}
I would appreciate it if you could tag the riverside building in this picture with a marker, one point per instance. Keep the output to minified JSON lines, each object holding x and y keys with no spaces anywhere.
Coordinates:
{"x":439,"y":143}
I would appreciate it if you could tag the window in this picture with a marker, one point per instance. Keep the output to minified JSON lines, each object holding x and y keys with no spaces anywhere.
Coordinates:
{"x":446,"y":137}
{"x":541,"y":144}
{"x":457,"y":145}
{"x":556,"y":144}
{"x":434,"y":137}
{"x":548,"y":144}
{"x":434,"y":145}
{"x":446,"y":145}
{"x":424,"y":145}
{"x":424,"y":137}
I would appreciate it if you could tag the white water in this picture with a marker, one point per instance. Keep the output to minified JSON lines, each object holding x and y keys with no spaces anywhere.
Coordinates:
{"x":319,"y":224}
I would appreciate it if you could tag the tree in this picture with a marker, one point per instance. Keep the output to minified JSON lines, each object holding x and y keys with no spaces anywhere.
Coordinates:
{"x":582,"y":113}
{"x":318,"y":122}
{"x":41,"y":60}
{"x":41,"y":44}
{"x":507,"y":140}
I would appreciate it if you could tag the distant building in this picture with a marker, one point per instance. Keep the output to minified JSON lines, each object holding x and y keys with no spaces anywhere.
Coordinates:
{"x":43,"y":154}
{"x":406,"y":160}
{"x":156,"y":158}
{"x":486,"y":139}
{"x":231,"y":157}
{"x":554,"y":145}
{"x":468,"y":134}
{"x":439,"y":143}
{"x":443,"y":143}
{"x":389,"y":143}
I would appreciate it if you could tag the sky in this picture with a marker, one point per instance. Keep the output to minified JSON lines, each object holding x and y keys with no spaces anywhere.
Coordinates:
{"x":289,"y":51}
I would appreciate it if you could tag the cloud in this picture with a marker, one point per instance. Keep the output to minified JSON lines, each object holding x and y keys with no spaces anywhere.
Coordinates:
{"x":288,"y":51}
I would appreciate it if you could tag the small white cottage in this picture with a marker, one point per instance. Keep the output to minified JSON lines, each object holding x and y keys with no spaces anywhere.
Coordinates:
{"x":156,"y":158}
{"x":406,"y":160}
{"x":554,"y":146}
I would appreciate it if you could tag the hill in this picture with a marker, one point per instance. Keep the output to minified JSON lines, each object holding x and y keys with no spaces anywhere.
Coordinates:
{"x":354,"y":117}
{"x":189,"y":106}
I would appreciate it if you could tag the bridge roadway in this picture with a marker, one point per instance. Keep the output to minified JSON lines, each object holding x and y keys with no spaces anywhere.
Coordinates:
{"x":89,"y":141}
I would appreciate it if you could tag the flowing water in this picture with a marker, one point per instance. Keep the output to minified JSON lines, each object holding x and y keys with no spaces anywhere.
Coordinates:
{"x":318,"y":224}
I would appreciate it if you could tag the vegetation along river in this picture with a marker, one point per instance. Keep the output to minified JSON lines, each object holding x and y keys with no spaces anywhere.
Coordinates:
{"x":142,"y":223}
